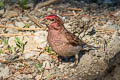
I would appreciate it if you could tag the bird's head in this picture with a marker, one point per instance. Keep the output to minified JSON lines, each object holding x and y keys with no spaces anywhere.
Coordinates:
{"x":53,"y":22}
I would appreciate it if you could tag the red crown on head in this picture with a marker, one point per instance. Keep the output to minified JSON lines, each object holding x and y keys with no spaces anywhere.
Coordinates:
{"x":51,"y":16}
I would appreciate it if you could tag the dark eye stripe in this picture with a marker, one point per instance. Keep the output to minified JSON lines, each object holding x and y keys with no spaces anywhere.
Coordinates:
{"x":52,"y":19}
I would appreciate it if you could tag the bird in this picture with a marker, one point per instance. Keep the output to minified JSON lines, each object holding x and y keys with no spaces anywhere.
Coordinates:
{"x":62,"y":42}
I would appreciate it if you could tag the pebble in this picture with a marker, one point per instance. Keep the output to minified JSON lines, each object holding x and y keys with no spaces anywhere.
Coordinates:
{"x":4,"y":72}
{"x":28,"y":55}
{"x":86,"y":19}
{"x":33,"y":26}
{"x":2,"y":12}
{"x":24,"y":77}
{"x":10,"y":30}
{"x":44,"y":57}
{"x":42,"y":38}
{"x":10,"y":14}
{"x":46,"y":65}
{"x":110,"y":26}
{"x":107,"y":2}
{"x":19,"y":24}
{"x":49,"y":9}
{"x":117,"y":14}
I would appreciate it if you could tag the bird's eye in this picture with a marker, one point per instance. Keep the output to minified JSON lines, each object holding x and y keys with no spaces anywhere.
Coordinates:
{"x":52,"y":20}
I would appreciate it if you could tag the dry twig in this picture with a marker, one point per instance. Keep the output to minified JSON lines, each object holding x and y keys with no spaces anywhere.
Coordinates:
{"x":43,"y":71}
{"x":69,"y":14}
{"x":23,"y":29}
{"x":19,"y":34}
{"x":76,"y":9}
{"x":46,"y":3}
{"x":34,"y":20}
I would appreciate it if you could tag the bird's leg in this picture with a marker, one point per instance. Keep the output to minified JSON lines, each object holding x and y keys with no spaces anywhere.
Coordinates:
{"x":76,"y":60}
{"x":59,"y":60}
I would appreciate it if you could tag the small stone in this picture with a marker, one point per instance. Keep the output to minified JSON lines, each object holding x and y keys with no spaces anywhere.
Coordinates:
{"x":86,"y":19}
{"x":2,"y":12}
{"x":46,"y":65}
{"x":41,"y":39}
{"x":117,"y":14}
{"x":47,"y":74}
{"x":110,"y":26}
{"x":33,"y":26}
{"x":67,"y":26}
{"x":28,"y":55}
{"x":49,"y":9}
{"x":25,"y":18}
{"x":107,"y":2}
{"x":38,"y":77}
{"x":24,"y":77}
{"x":19,"y":24}
{"x":61,"y":66}
{"x":4,"y":72}
{"x":94,"y":6}
{"x":10,"y":30}
{"x":44,"y":57}
{"x":10,"y":14}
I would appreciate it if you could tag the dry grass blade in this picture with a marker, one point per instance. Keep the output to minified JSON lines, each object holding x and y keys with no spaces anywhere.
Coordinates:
{"x":69,"y":14}
{"x":34,"y":20}
{"x":46,"y":3}
{"x":76,"y":9}
{"x":19,"y":34}
{"x":43,"y":72}
{"x":3,"y":26}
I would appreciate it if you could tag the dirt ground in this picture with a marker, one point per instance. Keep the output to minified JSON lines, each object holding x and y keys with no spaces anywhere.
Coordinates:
{"x":30,"y":57}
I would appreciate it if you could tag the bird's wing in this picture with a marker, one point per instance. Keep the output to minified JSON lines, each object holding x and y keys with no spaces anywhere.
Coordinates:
{"x":73,"y":40}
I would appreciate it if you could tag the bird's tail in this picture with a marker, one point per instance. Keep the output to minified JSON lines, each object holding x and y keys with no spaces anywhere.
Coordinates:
{"x":90,"y":47}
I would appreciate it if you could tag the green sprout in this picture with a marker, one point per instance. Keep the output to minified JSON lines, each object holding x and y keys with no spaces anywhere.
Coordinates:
{"x":39,"y":66}
{"x":5,"y":42}
{"x":19,"y":44}
{"x":26,"y":26}
{"x":23,"y":3}
{"x":49,"y":50}
{"x":1,"y":4}
{"x":1,"y":51}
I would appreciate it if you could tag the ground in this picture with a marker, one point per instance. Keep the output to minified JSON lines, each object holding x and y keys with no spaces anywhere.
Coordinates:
{"x":31,"y":58}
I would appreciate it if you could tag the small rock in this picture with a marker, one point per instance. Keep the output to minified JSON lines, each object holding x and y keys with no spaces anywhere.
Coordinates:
{"x":44,"y":57}
{"x":49,"y":9}
{"x":24,"y":77}
{"x":67,"y":26}
{"x":10,"y":30}
{"x":38,"y":77}
{"x":107,"y":2}
{"x":10,"y":14}
{"x":2,"y":12}
{"x":94,"y":6}
{"x":86,"y":19}
{"x":19,"y":24}
{"x":41,"y":39}
{"x":25,"y":18}
{"x":110,"y":26}
{"x":29,"y":5}
{"x":47,"y":75}
{"x":4,"y":72}
{"x":117,"y":14}
{"x":28,"y":55}
{"x":33,"y":26}
{"x":61,"y":67}
{"x":46,"y":65}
